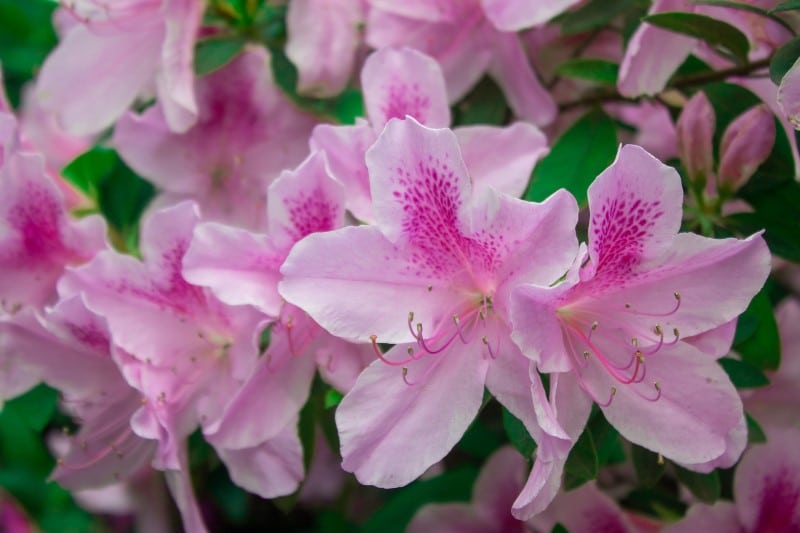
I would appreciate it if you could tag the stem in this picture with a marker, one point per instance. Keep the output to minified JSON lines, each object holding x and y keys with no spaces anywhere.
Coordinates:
{"x":682,"y":82}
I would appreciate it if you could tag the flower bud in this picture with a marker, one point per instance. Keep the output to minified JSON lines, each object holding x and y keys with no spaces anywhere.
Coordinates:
{"x":746,"y":143}
{"x":695,"y":138}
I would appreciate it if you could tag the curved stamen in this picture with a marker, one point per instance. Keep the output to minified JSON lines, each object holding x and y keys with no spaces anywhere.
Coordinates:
{"x":424,"y":375}
{"x":677,"y":296}
{"x":379,"y":354}
{"x":610,"y":398}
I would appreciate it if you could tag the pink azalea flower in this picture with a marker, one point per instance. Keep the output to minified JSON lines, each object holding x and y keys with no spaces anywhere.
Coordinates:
{"x":401,"y":81}
{"x":38,"y":238}
{"x":612,"y":332}
{"x":246,"y":133}
{"x":243,"y":268}
{"x":766,"y":490}
{"x":323,"y":37}
{"x":470,"y":39}
{"x":184,"y":351}
{"x":432,"y":276}
{"x":118,"y":51}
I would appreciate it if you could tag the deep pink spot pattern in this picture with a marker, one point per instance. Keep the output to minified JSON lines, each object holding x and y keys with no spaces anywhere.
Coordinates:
{"x":311,"y":212}
{"x":403,"y":99}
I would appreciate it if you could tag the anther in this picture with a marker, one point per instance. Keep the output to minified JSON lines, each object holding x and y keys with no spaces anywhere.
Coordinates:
{"x":639,"y":356}
{"x":411,"y":316}
{"x":677,"y":295}
{"x":658,"y":330}
{"x":676,"y":333}
{"x":627,"y":306}
{"x":410,"y":351}
{"x":430,"y":288}
{"x":586,"y":354}
{"x":484,"y":340}
{"x":660,"y":459}
{"x":635,"y":342}
{"x":594,"y":325}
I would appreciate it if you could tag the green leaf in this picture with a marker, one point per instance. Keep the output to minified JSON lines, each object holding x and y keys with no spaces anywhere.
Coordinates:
{"x":518,"y":434}
{"x":763,"y":348}
{"x":212,"y":54}
{"x":582,"y":464}
{"x":788,"y":5}
{"x":607,"y":441}
{"x":743,"y":374}
{"x":576,"y":158}
{"x":558,"y":528}
{"x":755,"y":435}
{"x":649,"y":465}
{"x":597,"y":70}
{"x":749,"y":8}
{"x":593,"y":15}
{"x":783,"y":59}
{"x":394,"y":515}
{"x":332,"y":398}
{"x":713,"y":31}
{"x":36,"y":407}
{"x":307,"y":433}
{"x":88,"y":169}
{"x":485,"y":104}
{"x":705,"y":487}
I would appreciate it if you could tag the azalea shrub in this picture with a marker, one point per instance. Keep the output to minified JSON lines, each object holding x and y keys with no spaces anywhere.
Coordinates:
{"x":372,"y":265}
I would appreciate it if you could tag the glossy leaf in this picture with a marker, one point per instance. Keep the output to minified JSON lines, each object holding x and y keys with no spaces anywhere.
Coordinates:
{"x":518,"y":435}
{"x":596,"y":70}
{"x":713,"y":31}
{"x":743,"y":374}
{"x":704,"y":487}
{"x":582,"y":464}
{"x":649,"y":466}
{"x":762,"y":349}
{"x":783,"y":59}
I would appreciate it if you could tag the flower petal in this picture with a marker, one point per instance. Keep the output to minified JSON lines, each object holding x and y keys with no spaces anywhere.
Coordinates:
{"x":391,"y":432}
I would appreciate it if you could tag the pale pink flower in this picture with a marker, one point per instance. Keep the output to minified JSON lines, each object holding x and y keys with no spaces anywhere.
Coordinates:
{"x":323,"y":37}
{"x":404,"y":82}
{"x":38,"y":237}
{"x":746,"y":143}
{"x":470,"y":39}
{"x":432,"y":276}
{"x":695,"y":127}
{"x":243,"y":268}
{"x":117,"y":52}
{"x":611,"y":332}
{"x":246,"y":133}
{"x":766,"y":491}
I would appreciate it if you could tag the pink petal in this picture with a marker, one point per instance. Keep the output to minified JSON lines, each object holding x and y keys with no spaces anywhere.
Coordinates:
{"x":716,"y":342}
{"x":515,"y":15}
{"x":497,"y":486}
{"x":304,"y":201}
{"x":270,"y":398}
{"x":400,"y":82}
{"x":323,"y":37}
{"x":524,"y":92}
{"x":789,"y":95}
{"x":91,"y":78}
{"x":422,"y":10}
{"x":180,"y":487}
{"x":767,"y":484}
{"x":240,"y":267}
{"x":508,"y":381}
{"x":697,"y":406}
{"x":544,"y":344}
{"x":541,"y":488}
{"x":342,"y":295}
{"x":345,"y":147}
{"x":449,"y":518}
{"x":653,"y":54}
{"x":735,"y":443}
{"x":587,"y":508}
{"x":636,"y":210}
{"x":696,"y":136}
{"x":391,"y":432}
{"x":175,"y":79}
{"x":418,"y":178}
{"x":341,"y":362}
{"x":271,"y":469}
{"x":501,"y":158}
{"x":746,"y":143}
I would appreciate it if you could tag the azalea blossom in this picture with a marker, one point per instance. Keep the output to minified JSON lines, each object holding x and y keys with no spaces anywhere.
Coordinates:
{"x":446,"y":258}
{"x":400,"y":82}
{"x":246,"y":133}
{"x":470,"y":39}
{"x":117,"y":51}
{"x":614,"y":328}
{"x":766,"y":492}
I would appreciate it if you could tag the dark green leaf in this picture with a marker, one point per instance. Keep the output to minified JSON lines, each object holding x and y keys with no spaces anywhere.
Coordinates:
{"x":88,"y":170}
{"x":607,"y":441}
{"x":783,"y":59}
{"x":763,"y":348}
{"x":214,"y":53}
{"x":705,"y":487}
{"x":518,"y":435}
{"x":743,"y":375}
{"x":558,"y":528}
{"x":597,"y":70}
{"x":485,"y":104}
{"x":746,"y":7}
{"x":649,"y":465}
{"x":664,"y":504}
{"x":397,"y":512}
{"x":582,"y":464}
{"x":576,"y":158}
{"x":36,"y":406}
{"x":713,"y":31}
{"x":593,"y":15}
{"x":788,"y":5}
{"x":755,"y":435}
{"x":307,"y":433}
{"x":480,"y":440}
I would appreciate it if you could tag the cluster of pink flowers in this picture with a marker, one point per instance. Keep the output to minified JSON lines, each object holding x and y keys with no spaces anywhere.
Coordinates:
{"x":392,"y":257}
